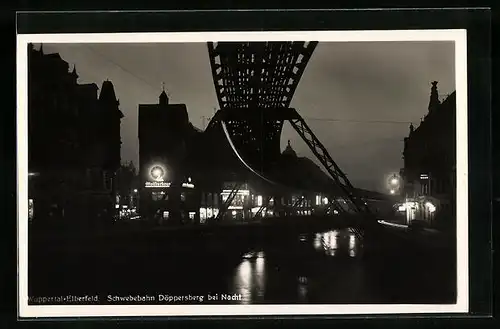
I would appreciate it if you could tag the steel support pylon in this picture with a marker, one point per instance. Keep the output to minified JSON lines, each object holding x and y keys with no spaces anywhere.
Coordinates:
{"x":254,"y":83}
{"x":340,"y":178}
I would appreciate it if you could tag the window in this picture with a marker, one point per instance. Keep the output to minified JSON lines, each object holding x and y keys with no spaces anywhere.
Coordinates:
{"x":108,"y":180}
{"x":192,"y":214}
{"x":159,"y":196}
{"x":203,"y":215}
{"x":166,"y":214}
{"x":30,"y":209}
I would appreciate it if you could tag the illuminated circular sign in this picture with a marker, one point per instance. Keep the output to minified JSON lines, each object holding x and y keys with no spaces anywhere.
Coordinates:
{"x":157,"y":173}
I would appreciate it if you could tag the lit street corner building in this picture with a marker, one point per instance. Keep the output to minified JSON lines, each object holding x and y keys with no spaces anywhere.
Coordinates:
{"x":430,"y":163}
{"x":166,"y":186}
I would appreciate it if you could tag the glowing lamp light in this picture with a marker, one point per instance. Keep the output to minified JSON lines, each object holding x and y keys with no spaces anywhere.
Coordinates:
{"x":157,"y":173}
{"x":135,"y":190}
{"x":392,"y":191}
{"x":394,"y":181}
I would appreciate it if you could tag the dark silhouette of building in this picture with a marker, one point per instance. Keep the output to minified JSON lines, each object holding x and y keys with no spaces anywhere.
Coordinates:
{"x":430,"y":153}
{"x":166,"y":185}
{"x":73,"y":145}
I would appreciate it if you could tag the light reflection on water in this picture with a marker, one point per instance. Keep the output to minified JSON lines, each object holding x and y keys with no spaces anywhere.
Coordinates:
{"x":302,"y":289}
{"x":254,"y":270}
{"x":335,"y":243}
{"x":250,"y":277}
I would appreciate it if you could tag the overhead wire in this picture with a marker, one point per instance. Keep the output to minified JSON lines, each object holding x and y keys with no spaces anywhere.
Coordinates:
{"x":357,"y":121}
{"x":120,"y":67}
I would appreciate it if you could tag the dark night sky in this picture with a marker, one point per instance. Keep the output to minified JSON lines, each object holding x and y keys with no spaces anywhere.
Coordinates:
{"x":346,"y":82}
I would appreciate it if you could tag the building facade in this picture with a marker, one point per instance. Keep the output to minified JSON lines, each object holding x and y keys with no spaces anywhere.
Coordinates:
{"x":73,"y":144}
{"x":429,"y":154}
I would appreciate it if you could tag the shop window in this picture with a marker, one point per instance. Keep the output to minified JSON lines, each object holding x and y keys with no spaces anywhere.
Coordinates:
{"x":166,"y":214}
{"x":159,"y":196}
{"x":203,"y":215}
{"x":192,"y":214}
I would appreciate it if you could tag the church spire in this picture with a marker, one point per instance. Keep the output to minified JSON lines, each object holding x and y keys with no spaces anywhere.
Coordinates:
{"x":289,"y":150}
{"x":163,"y":95}
{"x":434,"y":98}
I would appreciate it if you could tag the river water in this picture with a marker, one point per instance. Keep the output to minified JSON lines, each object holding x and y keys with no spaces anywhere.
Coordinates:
{"x":327,"y":266}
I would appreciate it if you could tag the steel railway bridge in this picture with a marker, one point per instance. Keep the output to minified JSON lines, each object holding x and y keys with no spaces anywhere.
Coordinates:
{"x":255,"y":83}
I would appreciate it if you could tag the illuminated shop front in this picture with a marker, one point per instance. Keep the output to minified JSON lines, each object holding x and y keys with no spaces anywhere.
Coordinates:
{"x":154,"y":198}
{"x":420,"y":208}
{"x":166,"y":201}
{"x":249,"y":204}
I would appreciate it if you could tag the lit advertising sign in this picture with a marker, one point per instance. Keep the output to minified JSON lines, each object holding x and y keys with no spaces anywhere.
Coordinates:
{"x":156,"y":176}
{"x":157,"y":184}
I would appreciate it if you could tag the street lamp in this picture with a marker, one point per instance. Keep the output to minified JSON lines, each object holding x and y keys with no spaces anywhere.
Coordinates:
{"x":394,"y":181}
{"x":135,"y":190}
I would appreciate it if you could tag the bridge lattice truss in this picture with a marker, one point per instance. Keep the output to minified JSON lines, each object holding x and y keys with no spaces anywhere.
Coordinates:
{"x":255,"y":83}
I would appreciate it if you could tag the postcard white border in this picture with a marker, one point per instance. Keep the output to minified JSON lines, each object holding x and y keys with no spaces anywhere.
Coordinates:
{"x":462,"y":305}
